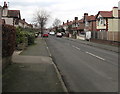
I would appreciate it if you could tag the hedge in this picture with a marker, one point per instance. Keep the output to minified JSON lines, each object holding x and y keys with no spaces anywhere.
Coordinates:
{"x":22,"y":34}
{"x":8,"y":40}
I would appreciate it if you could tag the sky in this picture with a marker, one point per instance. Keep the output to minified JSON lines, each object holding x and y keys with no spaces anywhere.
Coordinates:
{"x":61,"y":9}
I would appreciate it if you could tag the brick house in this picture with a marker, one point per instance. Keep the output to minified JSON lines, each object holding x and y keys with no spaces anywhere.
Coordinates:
{"x":90,"y":22}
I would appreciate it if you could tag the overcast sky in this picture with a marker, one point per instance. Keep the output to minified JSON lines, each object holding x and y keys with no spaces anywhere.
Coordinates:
{"x":62,"y":9}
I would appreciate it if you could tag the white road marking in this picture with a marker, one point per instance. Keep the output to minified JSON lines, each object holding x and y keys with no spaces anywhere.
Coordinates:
{"x":89,"y":53}
{"x":95,"y":56}
{"x":76,"y":47}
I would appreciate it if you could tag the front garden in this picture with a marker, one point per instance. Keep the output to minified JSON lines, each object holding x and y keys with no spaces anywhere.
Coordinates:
{"x":24,"y":37}
{"x":15,"y":39}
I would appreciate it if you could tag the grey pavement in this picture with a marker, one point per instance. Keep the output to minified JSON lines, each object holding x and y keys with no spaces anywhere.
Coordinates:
{"x":32,"y":71}
{"x":102,"y":46}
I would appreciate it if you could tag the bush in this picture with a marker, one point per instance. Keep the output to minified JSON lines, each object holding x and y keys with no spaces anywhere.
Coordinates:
{"x":22,"y":34}
{"x":20,"y":37}
{"x":8,"y":40}
{"x":31,"y":38}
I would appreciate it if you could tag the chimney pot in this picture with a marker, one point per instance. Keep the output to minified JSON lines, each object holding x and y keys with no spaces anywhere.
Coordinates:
{"x":67,"y":21}
{"x":76,"y":18}
{"x":85,"y":13}
{"x":115,"y":11}
{"x":23,"y":19}
{"x":5,"y":5}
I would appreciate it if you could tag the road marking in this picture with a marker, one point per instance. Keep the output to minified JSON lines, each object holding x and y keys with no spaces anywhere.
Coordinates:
{"x":95,"y":56}
{"x":76,"y":47}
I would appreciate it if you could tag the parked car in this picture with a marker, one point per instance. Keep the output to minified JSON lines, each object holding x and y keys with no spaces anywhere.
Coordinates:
{"x":45,"y":35}
{"x":36,"y":35}
{"x":59,"y":34}
{"x":52,"y":33}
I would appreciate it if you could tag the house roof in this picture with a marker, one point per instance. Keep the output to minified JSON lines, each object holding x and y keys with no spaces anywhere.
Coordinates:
{"x":91,"y":17}
{"x":81,"y":21}
{"x":14,"y":13}
{"x":30,"y":25}
{"x":105,"y":13}
{"x":22,"y":21}
{"x":71,"y":22}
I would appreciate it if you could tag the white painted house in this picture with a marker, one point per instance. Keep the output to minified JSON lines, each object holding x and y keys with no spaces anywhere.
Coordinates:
{"x":108,"y":20}
{"x":11,"y":17}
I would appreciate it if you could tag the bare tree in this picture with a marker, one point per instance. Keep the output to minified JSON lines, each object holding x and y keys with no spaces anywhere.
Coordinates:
{"x":56,"y":23}
{"x":40,"y":18}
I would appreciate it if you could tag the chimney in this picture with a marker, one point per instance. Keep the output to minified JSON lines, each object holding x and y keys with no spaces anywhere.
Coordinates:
{"x":67,"y":21}
{"x":5,"y":5}
{"x":76,"y":18}
{"x":115,"y":11}
{"x":85,"y":16}
{"x":5,"y":10}
{"x":23,"y":19}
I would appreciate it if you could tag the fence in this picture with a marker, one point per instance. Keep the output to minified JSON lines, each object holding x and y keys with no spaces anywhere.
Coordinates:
{"x":103,"y":35}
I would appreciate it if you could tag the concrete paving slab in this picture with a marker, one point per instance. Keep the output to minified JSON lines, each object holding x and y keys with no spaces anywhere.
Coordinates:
{"x":31,"y":77}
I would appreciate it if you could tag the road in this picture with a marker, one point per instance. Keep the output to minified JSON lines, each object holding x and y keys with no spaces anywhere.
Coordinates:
{"x":84,"y":68}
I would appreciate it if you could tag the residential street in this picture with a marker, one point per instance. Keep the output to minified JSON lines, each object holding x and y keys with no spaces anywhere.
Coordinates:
{"x":85,"y":68}
{"x":60,"y":46}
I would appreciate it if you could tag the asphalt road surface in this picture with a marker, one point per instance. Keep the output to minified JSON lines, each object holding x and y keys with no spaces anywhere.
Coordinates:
{"x":84,"y":68}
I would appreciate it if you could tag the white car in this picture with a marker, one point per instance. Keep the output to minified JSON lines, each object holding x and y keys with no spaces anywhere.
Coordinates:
{"x":52,"y":33}
{"x":59,"y":35}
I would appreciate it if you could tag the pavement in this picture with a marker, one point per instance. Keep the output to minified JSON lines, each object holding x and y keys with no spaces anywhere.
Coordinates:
{"x":98,"y":45}
{"x":33,"y":70}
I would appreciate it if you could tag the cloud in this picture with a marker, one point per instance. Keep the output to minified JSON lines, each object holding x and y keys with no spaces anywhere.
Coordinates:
{"x":62,"y":9}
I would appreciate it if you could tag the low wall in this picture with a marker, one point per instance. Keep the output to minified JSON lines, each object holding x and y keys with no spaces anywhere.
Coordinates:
{"x":105,"y":42}
{"x":81,"y":37}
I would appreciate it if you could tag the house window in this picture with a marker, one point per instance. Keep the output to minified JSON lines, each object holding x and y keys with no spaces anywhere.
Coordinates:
{"x":101,"y":21}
